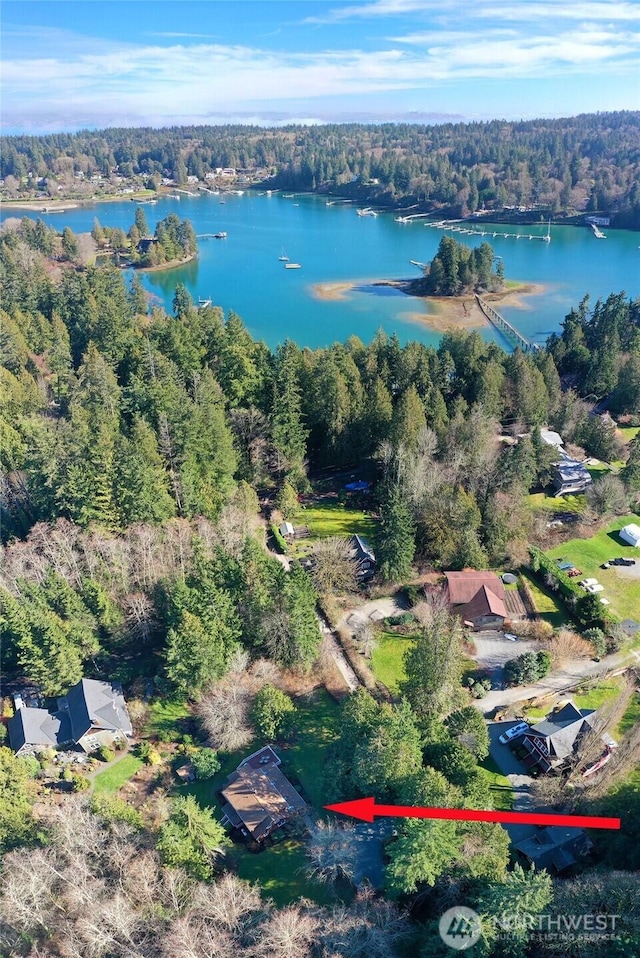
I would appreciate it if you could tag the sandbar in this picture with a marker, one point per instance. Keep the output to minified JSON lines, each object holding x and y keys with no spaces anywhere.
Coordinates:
{"x":439,"y":313}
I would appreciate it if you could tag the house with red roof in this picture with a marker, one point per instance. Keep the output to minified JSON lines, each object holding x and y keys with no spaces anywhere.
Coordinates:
{"x":478,"y":598}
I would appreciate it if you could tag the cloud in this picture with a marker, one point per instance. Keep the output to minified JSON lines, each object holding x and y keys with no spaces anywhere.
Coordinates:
{"x":64,"y":75}
{"x":461,"y":10}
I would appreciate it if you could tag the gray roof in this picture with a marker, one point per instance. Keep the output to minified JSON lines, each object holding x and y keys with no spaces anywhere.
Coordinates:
{"x":97,"y":704}
{"x":561,"y":729}
{"x":362,"y":548}
{"x":555,"y":847}
{"x":37,"y":727}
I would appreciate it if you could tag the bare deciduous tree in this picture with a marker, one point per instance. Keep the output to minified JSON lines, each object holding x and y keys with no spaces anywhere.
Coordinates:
{"x":224,"y":713}
{"x":331,"y":850}
{"x":289,"y":932}
{"x":567,"y":645}
{"x":334,"y":569}
{"x":366,"y":640}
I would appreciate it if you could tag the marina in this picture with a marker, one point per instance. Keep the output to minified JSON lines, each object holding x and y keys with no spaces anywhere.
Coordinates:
{"x":459,"y":226}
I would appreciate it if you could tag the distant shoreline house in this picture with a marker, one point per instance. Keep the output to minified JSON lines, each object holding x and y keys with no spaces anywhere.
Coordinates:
{"x":479,"y":598}
{"x":258,"y":797}
{"x":90,"y":715}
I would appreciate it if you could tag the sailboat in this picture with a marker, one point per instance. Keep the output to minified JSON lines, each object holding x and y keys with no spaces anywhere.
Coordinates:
{"x":547,"y":238}
{"x":283,"y":257}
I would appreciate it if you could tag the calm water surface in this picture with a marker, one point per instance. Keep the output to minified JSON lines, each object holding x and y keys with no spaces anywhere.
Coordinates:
{"x":333,"y":244}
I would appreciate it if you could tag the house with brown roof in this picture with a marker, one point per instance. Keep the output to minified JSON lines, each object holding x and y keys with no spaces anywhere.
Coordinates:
{"x":478,"y":598}
{"x":258,"y":797}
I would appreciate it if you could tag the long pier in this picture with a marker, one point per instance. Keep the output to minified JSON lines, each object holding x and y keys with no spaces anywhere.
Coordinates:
{"x":504,"y":326}
{"x":459,"y":226}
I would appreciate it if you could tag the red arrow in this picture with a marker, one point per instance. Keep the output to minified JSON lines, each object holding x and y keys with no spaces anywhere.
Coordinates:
{"x":366,"y":810}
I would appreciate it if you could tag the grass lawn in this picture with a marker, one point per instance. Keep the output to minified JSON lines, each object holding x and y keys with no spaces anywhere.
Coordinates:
{"x":334,"y":519}
{"x":622,"y":591}
{"x":387,"y":661}
{"x":165,"y":715}
{"x":315,"y":730}
{"x":627,"y":433}
{"x":115,"y":776}
{"x":279,"y":870}
{"x":549,"y":606}
{"x":540,"y":500}
{"x":536,"y":715}
{"x":499,"y":786}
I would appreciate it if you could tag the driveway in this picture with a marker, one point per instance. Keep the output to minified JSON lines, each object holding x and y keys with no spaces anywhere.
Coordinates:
{"x":516,"y":772}
{"x":374,"y":611}
{"x":493,"y":650}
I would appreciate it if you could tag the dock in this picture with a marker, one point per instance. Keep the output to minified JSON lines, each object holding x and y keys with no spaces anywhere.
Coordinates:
{"x":504,"y":326}
{"x":460,"y":226}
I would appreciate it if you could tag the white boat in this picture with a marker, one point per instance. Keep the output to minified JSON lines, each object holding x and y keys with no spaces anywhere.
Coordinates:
{"x":221,"y":235}
{"x":283,"y":257}
{"x":547,"y":238}
{"x":366,"y":212}
{"x":292,"y":265}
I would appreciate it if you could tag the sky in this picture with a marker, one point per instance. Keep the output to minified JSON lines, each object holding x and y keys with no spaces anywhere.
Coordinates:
{"x":70,"y":64}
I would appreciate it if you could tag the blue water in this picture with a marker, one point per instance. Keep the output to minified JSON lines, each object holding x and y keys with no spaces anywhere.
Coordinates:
{"x":333,"y":244}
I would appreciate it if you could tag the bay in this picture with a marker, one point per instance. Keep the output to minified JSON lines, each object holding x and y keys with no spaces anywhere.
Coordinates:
{"x":334,"y":245}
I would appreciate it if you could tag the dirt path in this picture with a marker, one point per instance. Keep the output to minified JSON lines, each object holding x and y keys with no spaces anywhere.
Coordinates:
{"x":333,"y":647}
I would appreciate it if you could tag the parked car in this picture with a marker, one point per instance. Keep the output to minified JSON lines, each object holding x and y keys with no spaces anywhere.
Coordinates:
{"x":514,"y":732}
{"x":511,"y":637}
{"x":594,"y":588}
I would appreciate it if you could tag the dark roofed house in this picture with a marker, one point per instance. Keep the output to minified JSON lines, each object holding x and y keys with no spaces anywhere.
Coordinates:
{"x":31,"y":730}
{"x":258,"y":796}
{"x":98,"y":713}
{"x":91,"y":714}
{"x":570,"y":477}
{"x":145,"y":244}
{"x":549,"y":743}
{"x":555,"y":849}
{"x":364,"y":557}
{"x":478,"y":598}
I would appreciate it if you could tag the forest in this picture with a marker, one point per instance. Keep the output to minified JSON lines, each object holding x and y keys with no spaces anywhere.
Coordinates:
{"x":585,"y":163}
{"x":137,"y":447}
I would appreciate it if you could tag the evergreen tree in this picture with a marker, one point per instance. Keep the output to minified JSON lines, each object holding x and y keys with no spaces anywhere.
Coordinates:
{"x":288,"y":433}
{"x":396,"y":536}
{"x":141,"y":482}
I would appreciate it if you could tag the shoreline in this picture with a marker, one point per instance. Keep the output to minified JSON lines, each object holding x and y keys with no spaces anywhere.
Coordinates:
{"x":442,"y":313}
{"x":172,"y":264}
{"x":62,"y":206}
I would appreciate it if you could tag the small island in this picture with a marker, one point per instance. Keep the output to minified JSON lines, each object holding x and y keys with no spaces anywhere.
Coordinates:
{"x":448,"y":287}
{"x":457,"y":270}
